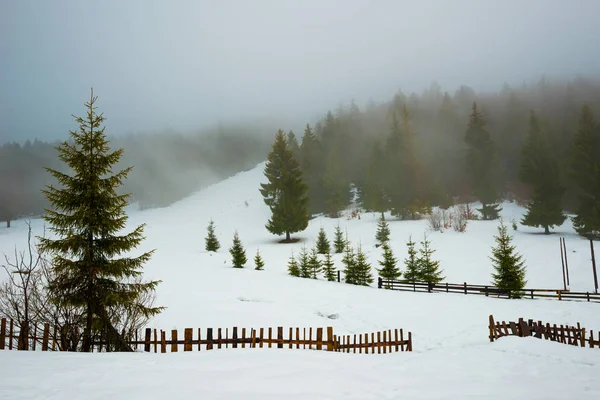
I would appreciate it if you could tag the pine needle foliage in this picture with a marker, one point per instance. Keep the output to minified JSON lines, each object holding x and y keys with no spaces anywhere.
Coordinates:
{"x":238,"y":253}
{"x":339,"y":243}
{"x":211,"y":241}
{"x":349,"y":261}
{"x":383,"y":231}
{"x":364,"y":276}
{"x":293,"y":267}
{"x":314,"y":263}
{"x":258,"y":261}
{"x":87,"y":218}
{"x":389,"y":265}
{"x":304,"y":263}
{"x":323,"y":245}
{"x":413,"y":271}
{"x":329,"y":268}
{"x":509,"y":266}
{"x":429,"y":269}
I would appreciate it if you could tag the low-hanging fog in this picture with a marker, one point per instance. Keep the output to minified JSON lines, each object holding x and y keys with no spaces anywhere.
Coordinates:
{"x":183,"y":65}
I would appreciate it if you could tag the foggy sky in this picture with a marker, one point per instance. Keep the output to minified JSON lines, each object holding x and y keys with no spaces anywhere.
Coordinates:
{"x":182,"y":65}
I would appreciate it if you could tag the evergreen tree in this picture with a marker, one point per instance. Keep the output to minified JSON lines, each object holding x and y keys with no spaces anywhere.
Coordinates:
{"x":482,"y":165}
{"x":329,"y":268}
{"x":413,"y":267}
{"x":349,"y":261}
{"x":293,"y":267}
{"x":364,"y":276}
{"x":383,"y":231}
{"x":311,"y":162}
{"x":395,"y":179}
{"x":389,"y":269}
{"x":87,"y":218}
{"x":293,"y":145}
{"x":238,"y":254}
{"x":314,"y":263}
{"x":304,"y":263}
{"x":585,"y":172}
{"x":373,"y":194}
{"x":258,"y":261}
{"x":336,"y":188}
{"x":539,"y":168}
{"x":339,"y":243}
{"x":323,"y":246}
{"x":212,"y":243}
{"x":429,"y":269}
{"x":508,"y":264}
{"x":285,"y":194}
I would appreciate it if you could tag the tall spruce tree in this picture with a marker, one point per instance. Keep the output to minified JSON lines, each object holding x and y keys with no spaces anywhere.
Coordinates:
{"x":323,"y":246}
{"x":304,"y":263}
{"x":238,"y":254}
{"x":364,"y":276}
{"x":482,"y":165}
{"x":383,"y":231}
{"x":539,"y":168}
{"x":373,"y":194}
{"x":396,"y":180}
{"x":311,"y":162}
{"x":285,"y":193}
{"x":413,"y":269}
{"x":87,"y":217}
{"x":336,"y":188}
{"x":293,"y":145}
{"x":329,"y":268}
{"x":211,"y":241}
{"x":258,"y":261}
{"x":293,"y":267}
{"x":508,"y":264}
{"x":389,"y":269}
{"x":339,"y":243}
{"x":585,"y":172}
{"x":429,"y":269}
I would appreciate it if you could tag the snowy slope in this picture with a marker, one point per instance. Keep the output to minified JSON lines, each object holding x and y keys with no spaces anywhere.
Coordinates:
{"x":201,"y":289}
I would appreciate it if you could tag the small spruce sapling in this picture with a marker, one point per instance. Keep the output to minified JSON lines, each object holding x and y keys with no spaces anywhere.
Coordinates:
{"x":389,"y":269}
{"x":429,"y":268}
{"x":211,"y":241}
{"x":260,"y":264}
{"x":383,"y":231}
{"x":329,"y":268}
{"x":339,"y":243}
{"x":323,"y":246}
{"x":349,"y":261}
{"x":508,"y":264}
{"x":364,"y":276}
{"x":413,"y":270}
{"x":293,"y":268}
{"x":238,"y":254}
{"x":314,"y":263}
{"x":304,"y":263}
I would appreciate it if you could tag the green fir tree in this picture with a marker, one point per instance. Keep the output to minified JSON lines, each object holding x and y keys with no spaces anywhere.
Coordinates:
{"x":539,"y":168}
{"x":258,"y":261}
{"x":285,"y":193}
{"x":389,"y":269}
{"x":293,"y":267}
{"x":323,"y":246}
{"x":364,"y":276}
{"x":429,"y":269}
{"x":314,"y":263}
{"x":508,"y":264}
{"x":304,"y":263}
{"x":383,"y":231}
{"x":349,"y":261}
{"x":585,"y":172}
{"x":329,"y":268}
{"x":238,"y":254}
{"x":339,"y":243}
{"x":413,"y":269}
{"x":88,"y":217}
{"x":211,"y":241}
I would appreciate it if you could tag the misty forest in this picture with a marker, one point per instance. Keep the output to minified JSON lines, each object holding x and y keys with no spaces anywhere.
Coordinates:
{"x":537,"y":144}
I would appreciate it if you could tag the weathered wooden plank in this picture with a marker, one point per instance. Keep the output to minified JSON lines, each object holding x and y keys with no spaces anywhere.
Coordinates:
{"x":147,"y":338}
{"x":2,"y":333}
{"x":280,"y":337}
{"x":188,"y":336}
{"x":320,"y":338}
{"x":220,"y":338}
{"x":199,"y":339}
{"x":310,"y":337}
{"x":402,"y":339}
{"x":243,"y":338}
{"x":298,"y":339}
{"x":209,"y":338}
{"x":270,"y":337}
{"x":174,"y":341}
{"x":396,"y":339}
{"x":262,"y":337}
{"x":410,"y":343}
{"x":54,"y":341}
{"x":234,"y":336}
{"x":291,"y":336}
{"x":304,"y":338}
{"x":330,"y":342}
{"x":360,"y":344}
{"x":163,"y":341}
{"x":384,"y":342}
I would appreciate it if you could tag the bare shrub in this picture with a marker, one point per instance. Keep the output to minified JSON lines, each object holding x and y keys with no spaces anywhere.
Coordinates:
{"x":435,"y":220}
{"x":459,"y":220}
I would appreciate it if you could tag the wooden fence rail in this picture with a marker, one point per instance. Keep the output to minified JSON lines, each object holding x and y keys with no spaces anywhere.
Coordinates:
{"x":572,"y":335}
{"x":156,"y":341}
{"x":485,"y":290}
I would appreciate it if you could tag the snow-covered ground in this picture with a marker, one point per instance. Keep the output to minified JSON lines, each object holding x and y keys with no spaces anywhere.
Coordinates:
{"x":452,"y":355}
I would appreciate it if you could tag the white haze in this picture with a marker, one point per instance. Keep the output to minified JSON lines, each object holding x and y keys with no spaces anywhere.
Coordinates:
{"x":183,"y":65}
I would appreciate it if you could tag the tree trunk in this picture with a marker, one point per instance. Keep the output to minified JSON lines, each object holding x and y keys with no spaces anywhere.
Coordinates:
{"x":287,"y":237}
{"x":546,"y":230}
{"x":8,"y":223}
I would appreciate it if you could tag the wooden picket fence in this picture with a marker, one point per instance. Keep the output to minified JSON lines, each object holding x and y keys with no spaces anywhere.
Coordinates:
{"x":572,"y":335}
{"x":485,"y":290}
{"x":154,"y":340}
